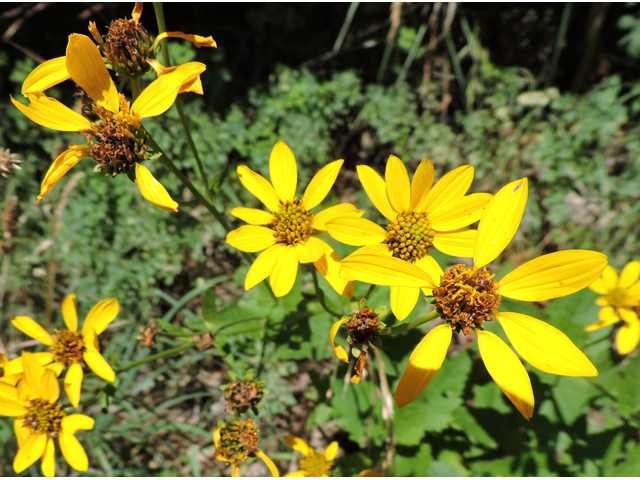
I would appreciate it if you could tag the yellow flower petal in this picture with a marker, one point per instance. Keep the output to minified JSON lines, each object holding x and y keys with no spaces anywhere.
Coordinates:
{"x":331,"y":451}
{"x":262,"y":266}
{"x":252,"y":216}
{"x":48,"y":464}
{"x":610,"y":278}
{"x":632,"y":297}
{"x":376,"y":190}
{"x":457,"y":243}
{"x":283,"y":171}
{"x":377,"y":249}
{"x":69,"y":312}
{"x":398,"y":185}
{"x":381,"y":270}
{"x":449,"y":188}
{"x":429,"y":265}
{"x":73,"y":382}
{"x":355,"y":231}
{"x":72,"y":423}
{"x":507,"y":371}
{"x":50,"y":386}
{"x":599,"y":287}
{"x":235,"y":469}
{"x":627,"y":337}
{"x":284,"y":271}
{"x":12,"y":408}
{"x":421,"y":185}
{"x":22,"y":433}
{"x":628,"y":315}
{"x":158,"y":97}
{"x":86,"y":67}
{"x":268,"y":462}
{"x":328,"y":214}
{"x":310,"y":251}
{"x":608,"y":316}
{"x":65,"y":161}
{"x":403,"y":301}
{"x":338,"y":351}
{"x":99,"y":365}
{"x":630,"y":274}
{"x":321,"y":184}
{"x":297,"y":473}
{"x":553,"y":275}
{"x":50,"y":113}
{"x":602,"y":301}
{"x":298,"y":444}
{"x":29,"y":452}
{"x":499,"y":222}
{"x":251,"y":238}
{"x":545,"y":347}
{"x":31,"y":328}
{"x":153,"y":191}
{"x":137,"y":12}
{"x":197,"y":40}
{"x":101,"y":315}
{"x":424,"y":363}
{"x":329,"y":268}
{"x":8,"y":392}
{"x":460,"y":213}
{"x":73,"y":452}
{"x":46,"y":75}
{"x":259,"y":187}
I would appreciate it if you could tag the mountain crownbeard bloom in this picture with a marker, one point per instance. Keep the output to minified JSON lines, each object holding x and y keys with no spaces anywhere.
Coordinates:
{"x":621,"y":302}
{"x":289,"y":236}
{"x":313,"y":464}
{"x":71,"y":347}
{"x":421,"y":218}
{"x":468,"y":297}
{"x":116,"y":139}
{"x":39,"y":420}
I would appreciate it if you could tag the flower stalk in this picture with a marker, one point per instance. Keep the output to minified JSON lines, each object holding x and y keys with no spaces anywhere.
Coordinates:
{"x":411,"y":325}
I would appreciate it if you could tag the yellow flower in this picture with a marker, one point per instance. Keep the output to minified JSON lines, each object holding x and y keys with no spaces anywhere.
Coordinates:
{"x":39,"y":419}
{"x":466,"y":297}
{"x":117,"y":141}
{"x":235,"y":441}
{"x":314,"y":464}
{"x":420,"y":218}
{"x":71,"y":347}
{"x":621,"y":301}
{"x":11,"y":371}
{"x":289,"y":237}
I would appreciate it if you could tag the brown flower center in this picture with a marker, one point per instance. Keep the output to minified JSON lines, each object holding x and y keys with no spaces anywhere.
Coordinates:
{"x":243,"y":394}
{"x":410,"y":236}
{"x":43,"y":417}
{"x":237,"y":440}
{"x":364,"y":326}
{"x":315,"y":465}
{"x":292,"y":224}
{"x":68,"y":347}
{"x":467,"y":297}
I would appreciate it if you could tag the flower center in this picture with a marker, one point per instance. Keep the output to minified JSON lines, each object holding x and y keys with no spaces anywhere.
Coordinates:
{"x":410,"y":236}
{"x":43,"y":417}
{"x":467,"y":297}
{"x":292,"y":223}
{"x":67,"y":347}
{"x":315,"y":465}
{"x":243,"y":394}
{"x":617,"y":298}
{"x":237,"y":439}
{"x":363,"y":326}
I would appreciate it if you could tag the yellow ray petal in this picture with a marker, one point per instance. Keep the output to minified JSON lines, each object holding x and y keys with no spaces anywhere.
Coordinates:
{"x":630,"y":274}
{"x":424,"y":363}
{"x":457,"y":243}
{"x":599,"y":287}
{"x":158,"y":97}
{"x":99,"y":365}
{"x":72,"y":383}
{"x":398,"y":185}
{"x":251,"y":238}
{"x":48,"y":464}
{"x":73,"y":452}
{"x":553,"y":275}
{"x":268,"y":462}
{"x":507,"y":371}
{"x":376,"y":190}
{"x":460,"y":213}
{"x":15,"y":366}
{"x":50,"y":386}
{"x":545,"y":347}
{"x":69,"y":312}
{"x":381,"y":270}
{"x":252,"y":216}
{"x":22,"y":433}
{"x":86,"y":67}
{"x":50,"y":113}
{"x":449,"y":188}
{"x":310,"y":251}
{"x":29,"y":452}
{"x":46,"y":75}
{"x":321,"y":184}
{"x":153,"y":191}
{"x":355,"y":231}
{"x":329,"y":268}
{"x":297,"y":473}
{"x":628,"y":315}
{"x":429,"y":265}
{"x":101,"y":315}
{"x":283,"y":171}
{"x":608,"y":316}
{"x":331,"y":451}
{"x":9,"y":392}
{"x":262,"y":266}
{"x":328,"y":214}
{"x":403,"y":301}
{"x":259,"y":187}
{"x":197,"y":40}
{"x":12,"y":408}
{"x":284,"y":271}
{"x":627,"y":337}
{"x":65,"y":161}
{"x":421,"y":185}
{"x":499,"y":222}
{"x":137,"y":12}
{"x":31,"y":328}
{"x":377,"y":249}
{"x":72,"y":423}
{"x":298,"y":444}
{"x":338,"y":351}
{"x":610,"y":278}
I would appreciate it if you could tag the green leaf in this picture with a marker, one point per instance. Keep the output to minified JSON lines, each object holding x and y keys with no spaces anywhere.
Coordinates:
{"x":210,"y":308}
{"x":412,"y":461}
{"x":174,"y":329}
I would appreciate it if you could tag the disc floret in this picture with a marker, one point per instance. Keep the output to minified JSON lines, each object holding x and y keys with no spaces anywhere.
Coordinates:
{"x":43,"y":417}
{"x":410,"y":236}
{"x":315,"y":465}
{"x":243,"y":394}
{"x":68,"y":347}
{"x":292,"y":223}
{"x":237,"y":440}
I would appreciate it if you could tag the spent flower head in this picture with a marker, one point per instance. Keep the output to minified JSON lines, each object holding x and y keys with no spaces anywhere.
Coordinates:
{"x":9,"y":162}
{"x":243,"y":394}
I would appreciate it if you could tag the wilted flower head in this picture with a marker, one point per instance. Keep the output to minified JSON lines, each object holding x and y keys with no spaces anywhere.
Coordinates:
{"x":9,"y":162}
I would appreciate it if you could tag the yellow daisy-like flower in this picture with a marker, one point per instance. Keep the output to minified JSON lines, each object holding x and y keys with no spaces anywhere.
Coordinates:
{"x":39,"y":419}
{"x":621,"y":301}
{"x":117,"y":140}
{"x":420,"y":217}
{"x":289,"y":237}
{"x":71,"y":347}
{"x":314,"y":464}
{"x":235,"y":441}
{"x":466,"y":297}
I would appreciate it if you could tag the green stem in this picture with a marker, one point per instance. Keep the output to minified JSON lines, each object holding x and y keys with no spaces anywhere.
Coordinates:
{"x":157,"y":356}
{"x":411,"y":325}
{"x":135,"y":88}
{"x":370,"y":291}
{"x":320,"y":294}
